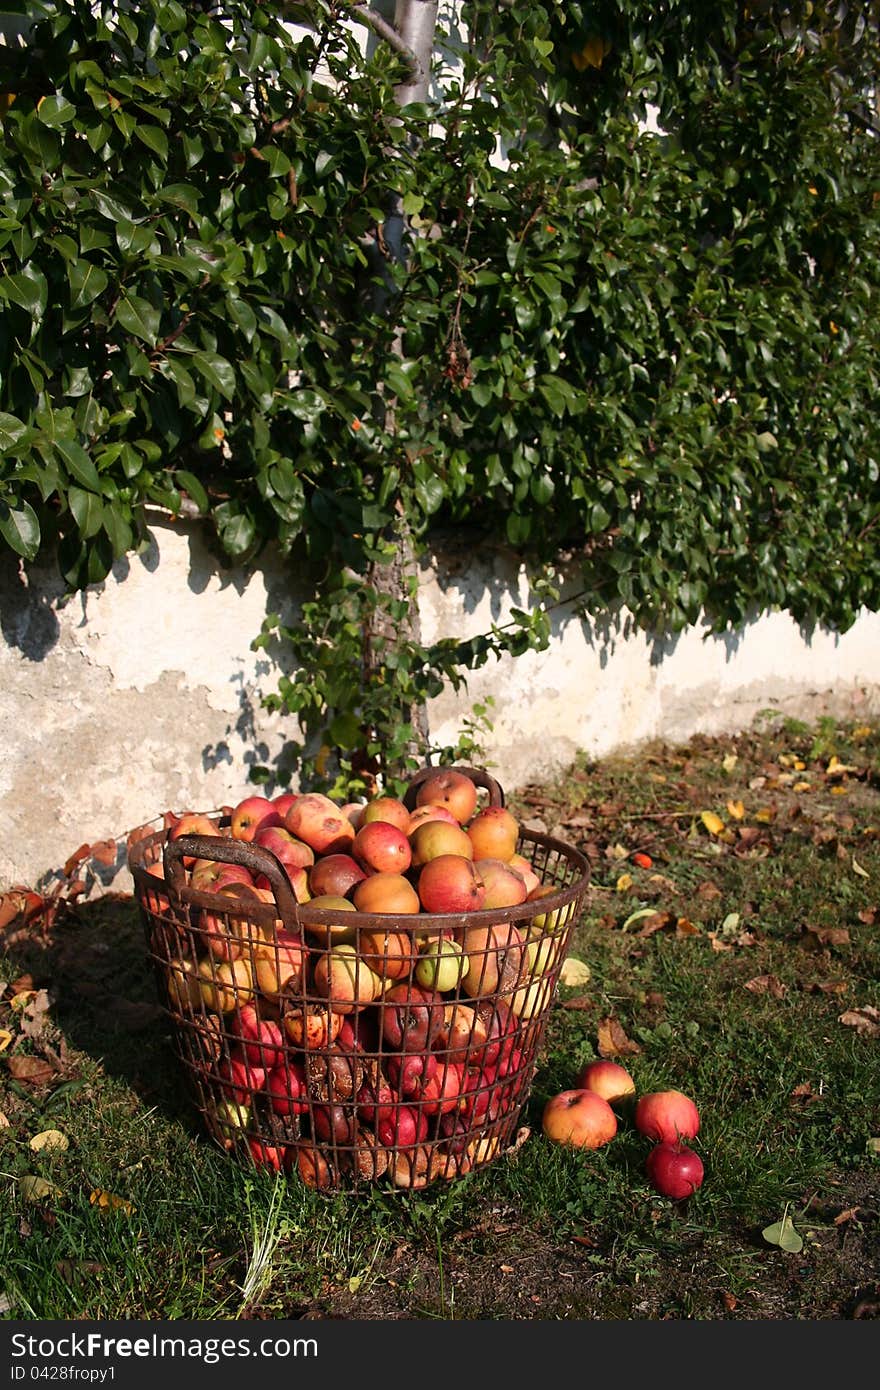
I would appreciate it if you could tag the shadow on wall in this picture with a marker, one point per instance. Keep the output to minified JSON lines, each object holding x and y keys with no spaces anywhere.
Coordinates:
{"x":27,"y":619}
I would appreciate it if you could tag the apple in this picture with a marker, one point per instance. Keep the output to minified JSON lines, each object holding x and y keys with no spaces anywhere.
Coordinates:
{"x":283,"y":802}
{"x":440,"y":965}
{"x":494,"y":833}
{"x":311,"y":1025}
{"x":207,"y":875}
{"x":297,"y":876}
{"x":386,"y":892}
{"x":496,"y":959}
{"x":450,"y":883}
{"x":344,"y":979}
{"x":291,"y":852}
{"x":318,"y":821}
{"x":390,"y":954}
{"x":608,"y":1079}
{"x":421,"y":814}
{"x":557,"y":917}
{"x":182,"y":985}
{"x":312,"y":1166}
{"x":530,"y":999}
{"x":334,"y":875}
{"x":463,"y":1033}
{"x":238,"y":1079}
{"x":410,"y":1017}
{"x":220,"y":929}
{"x":526,"y":868}
{"x":400,"y":1126}
{"x":436,"y":837}
{"x":279,"y":965}
{"x":332,"y":931}
{"x":374,"y":1096}
{"x":579,"y":1119}
{"x":286,"y":1088}
{"x":224,"y":984}
{"x":674,"y":1170}
{"x":333,"y":1123}
{"x":450,"y":788}
{"x":409,"y":1072}
{"x":389,"y":809}
{"x":227,"y":1121}
{"x":442,"y":1093}
{"x":260,"y":1039}
{"x":354,"y":811}
{"x":380,"y":847}
{"x":276,"y":1157}
{"x":250,"y":815}
{"x":192,"y":823}
{"x":666,"y":1116}
{"x":505,"y":887}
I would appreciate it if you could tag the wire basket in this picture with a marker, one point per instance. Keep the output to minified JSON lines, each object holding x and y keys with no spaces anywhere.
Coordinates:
{"x":348,"y":1047}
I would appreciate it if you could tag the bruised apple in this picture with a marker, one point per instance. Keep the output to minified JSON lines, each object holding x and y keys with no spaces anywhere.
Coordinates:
{"x":322,"y":824}
{"x":496,"y":959}
{"x":450,"y":788}
{"x":335,"y":875}
{"x":411,"y":1017}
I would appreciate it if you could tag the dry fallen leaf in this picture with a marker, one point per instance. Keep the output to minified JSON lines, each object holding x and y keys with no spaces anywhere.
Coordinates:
{"x":108,"y":1201}
{"x":829,"y":936}
{"x":866,"y":1021}
{"x":655,"y":921}
{"x":624,"y":883}
{"x":49,"y":1141}
{"x":736,"y":809}
{"x":849,"y":1215}
{"x":767,"y":984}
{"x":714,"y":824}
{"x":613,"y":1041}
{"x":32,"y":1070}
{"x":37,"y":1189}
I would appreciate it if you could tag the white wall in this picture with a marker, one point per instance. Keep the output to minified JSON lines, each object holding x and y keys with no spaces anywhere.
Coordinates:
{"x":143,"y":694}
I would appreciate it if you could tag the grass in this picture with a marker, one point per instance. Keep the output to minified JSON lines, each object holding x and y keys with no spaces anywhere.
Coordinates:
{"x":738,"y":962}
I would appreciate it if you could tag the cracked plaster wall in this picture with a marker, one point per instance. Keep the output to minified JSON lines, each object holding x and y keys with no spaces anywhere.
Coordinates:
{"x":144,"y":695}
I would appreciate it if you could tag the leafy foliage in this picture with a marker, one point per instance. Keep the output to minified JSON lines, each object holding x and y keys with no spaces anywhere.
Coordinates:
{"x":646,"y":355}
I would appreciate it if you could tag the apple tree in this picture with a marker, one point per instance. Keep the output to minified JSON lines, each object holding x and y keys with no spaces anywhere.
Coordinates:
{"x":595,"y":283}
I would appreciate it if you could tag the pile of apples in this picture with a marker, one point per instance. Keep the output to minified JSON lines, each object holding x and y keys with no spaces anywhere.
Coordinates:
{"x":327,"y":1045}
{"x":585,"y":1116}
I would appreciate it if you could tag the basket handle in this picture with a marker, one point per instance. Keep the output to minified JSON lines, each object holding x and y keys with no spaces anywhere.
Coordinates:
{"x":216,"y":847}
{"x":476,"y":774}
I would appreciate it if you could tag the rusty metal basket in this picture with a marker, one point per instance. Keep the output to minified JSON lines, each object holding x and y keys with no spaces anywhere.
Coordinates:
{"x":308,"y":1037}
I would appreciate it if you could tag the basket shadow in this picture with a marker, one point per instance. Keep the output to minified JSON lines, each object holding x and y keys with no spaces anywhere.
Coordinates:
{"x":93,"y":964}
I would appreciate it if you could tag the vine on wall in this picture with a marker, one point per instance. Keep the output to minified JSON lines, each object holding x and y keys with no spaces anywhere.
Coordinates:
{"x":651,"y":353}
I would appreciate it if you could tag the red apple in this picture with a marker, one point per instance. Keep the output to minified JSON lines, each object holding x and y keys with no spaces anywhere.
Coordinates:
{"x":343,"y":978}
{"x":250,"y":815}
{"x":579,"y":1119}
{"x":239,"y":1079}
{"x":410,"y":1017}
{"x":400,"y":1126}
{"x":493,"y":832}
{"x":425,"y":813}
{"x":260,"y":1039}
{"x":674,"y":1170}
{"x":450,"y":788}
{"x":409,"y":1072}
{"x":273,"y":1156}
{"x":292,"y":853}
{"x":283,"y":802}
{"x":666,"y":1116}
{"x":192,"y":823}
{"x":335,"y":875}
{"x":450,"y":883}
{"x":380,"y":847}
{"x":207,"y":875}
{"x":608,"y":1079}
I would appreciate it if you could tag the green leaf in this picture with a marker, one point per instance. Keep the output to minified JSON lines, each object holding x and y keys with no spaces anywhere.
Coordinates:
{"x":20,"y":529}
{"x":28,"y":289}
{"x":78,"y":463}
{"x":87,"y":281}
{"x":139,"y":317}
{"x":783,"y":1234}
{"x":12,"y":430}
{"x":87,"y":510}
{"x":191,"y":485}
{"x":217,"y":371}
{"x":154,"y":138}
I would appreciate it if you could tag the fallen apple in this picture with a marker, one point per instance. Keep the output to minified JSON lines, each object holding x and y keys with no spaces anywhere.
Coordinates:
{"x":608,"y":1079}
{"x":674,"y":1170}
{"x":666,"y":1116}
{"x":579,"y":1119}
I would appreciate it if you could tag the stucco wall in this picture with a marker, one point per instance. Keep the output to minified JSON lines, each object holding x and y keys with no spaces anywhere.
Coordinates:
{"x":144,"y":695}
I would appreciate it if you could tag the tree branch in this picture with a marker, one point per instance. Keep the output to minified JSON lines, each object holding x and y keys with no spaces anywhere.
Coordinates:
{"x":384,"y":30}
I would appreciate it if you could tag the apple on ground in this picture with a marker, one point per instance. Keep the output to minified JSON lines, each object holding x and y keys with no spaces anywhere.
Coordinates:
{"x":494,"y":832}
{"x":578,"y":1119}
{"x":450,"y":883}
{"x":674,"y":1170}
{"x":666,"y":1116}
{"x":608,"y":1079}
{"x":450,"y":788}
